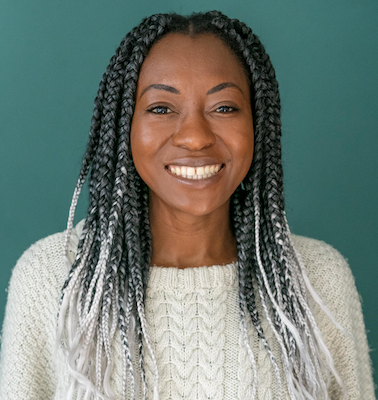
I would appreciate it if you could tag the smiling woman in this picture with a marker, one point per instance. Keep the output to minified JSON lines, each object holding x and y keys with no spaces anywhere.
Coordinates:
{"x":184,"y":281}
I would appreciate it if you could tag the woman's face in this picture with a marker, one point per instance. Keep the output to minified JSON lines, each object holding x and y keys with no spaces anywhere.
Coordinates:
{"x":192,"y":129}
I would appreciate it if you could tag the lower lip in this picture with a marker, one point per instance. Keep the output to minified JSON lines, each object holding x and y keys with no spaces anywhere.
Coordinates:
{"x":199,"y":183}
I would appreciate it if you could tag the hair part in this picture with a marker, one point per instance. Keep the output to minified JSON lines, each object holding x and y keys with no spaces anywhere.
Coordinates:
{"x":104,"y":293}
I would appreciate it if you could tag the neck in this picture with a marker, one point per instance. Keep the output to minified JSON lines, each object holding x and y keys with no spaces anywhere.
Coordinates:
{"x":183,"y":240}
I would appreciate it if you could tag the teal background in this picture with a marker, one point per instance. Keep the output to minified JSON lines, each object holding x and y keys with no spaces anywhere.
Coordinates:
{"x":52,"y":56}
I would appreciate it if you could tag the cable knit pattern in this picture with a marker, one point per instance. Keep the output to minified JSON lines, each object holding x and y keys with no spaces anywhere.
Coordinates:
{"x":194,"y":327}
{"x":186,"y":312}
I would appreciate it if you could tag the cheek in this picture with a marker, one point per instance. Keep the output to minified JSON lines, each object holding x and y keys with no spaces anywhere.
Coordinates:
{"x":243,"y":152}
{"x":140,"y":138}
{"x":146,"y":143}
{"x":140,"y":143}
{"x":146,"y":136}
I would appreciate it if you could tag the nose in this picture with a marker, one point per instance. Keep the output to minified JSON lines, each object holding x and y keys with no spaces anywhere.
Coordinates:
{"x":194,"y":133}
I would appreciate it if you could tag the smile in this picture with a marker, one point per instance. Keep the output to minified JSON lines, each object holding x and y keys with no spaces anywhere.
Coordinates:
{"x":206,"y":171}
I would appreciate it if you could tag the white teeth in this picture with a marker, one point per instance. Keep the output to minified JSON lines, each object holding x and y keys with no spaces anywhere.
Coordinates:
{"x":189,"y":172}
{"x":196,"y":173}
{"x":200,"y":171}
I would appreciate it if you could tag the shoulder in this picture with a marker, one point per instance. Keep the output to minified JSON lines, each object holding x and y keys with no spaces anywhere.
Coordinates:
{"x":324,"y":265}
{"x":42,"y":264}
{"x":332,"y":279}
{"x":315,"y":251}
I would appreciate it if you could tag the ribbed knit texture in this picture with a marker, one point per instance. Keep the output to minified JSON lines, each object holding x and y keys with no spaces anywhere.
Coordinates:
{"x":194,"y":326}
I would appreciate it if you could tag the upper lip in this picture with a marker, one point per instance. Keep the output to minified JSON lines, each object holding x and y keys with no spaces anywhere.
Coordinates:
{"x":195,"y":161}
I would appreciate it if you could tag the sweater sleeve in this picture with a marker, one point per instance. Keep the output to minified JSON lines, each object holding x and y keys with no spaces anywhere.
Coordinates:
{"x":332,"y":279}
{"x":27,"y":369}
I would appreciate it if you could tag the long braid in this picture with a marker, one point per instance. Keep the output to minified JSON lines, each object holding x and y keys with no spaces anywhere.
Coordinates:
{"x":245,"y":243}
{"x":106,"y":285}
{"x":243,"y":263}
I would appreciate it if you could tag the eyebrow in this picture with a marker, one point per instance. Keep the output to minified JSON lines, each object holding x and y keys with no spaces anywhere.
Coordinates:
{"x":222,"y":86}
{"x":158,"y":86}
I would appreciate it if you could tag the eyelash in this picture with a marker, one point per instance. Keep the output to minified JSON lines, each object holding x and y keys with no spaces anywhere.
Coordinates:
{"x":229,"y":109}
{"x":163,"y":110}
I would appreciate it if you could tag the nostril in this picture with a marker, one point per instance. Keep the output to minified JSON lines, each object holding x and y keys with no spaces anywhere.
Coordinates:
{"x":194,"y":139}
{"x":194,"y":132}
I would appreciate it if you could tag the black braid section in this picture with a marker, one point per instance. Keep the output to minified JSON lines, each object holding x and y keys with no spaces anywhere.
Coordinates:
{"x":247,"y":268}
{"x":145,"y":232}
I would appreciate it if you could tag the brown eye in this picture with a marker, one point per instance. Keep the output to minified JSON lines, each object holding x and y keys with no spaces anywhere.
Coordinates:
{"x":160,"y":110}
{"x":225,"y":109}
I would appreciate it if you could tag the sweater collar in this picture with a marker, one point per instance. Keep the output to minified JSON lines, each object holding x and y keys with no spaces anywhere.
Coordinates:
{"x":192,"y":279}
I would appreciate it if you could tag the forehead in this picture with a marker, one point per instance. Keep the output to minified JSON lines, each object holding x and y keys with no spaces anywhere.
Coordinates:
{"x":179,"y":55}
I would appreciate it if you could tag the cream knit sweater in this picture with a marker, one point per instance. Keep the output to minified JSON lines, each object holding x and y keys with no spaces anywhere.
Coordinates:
{"x":194,"y":326}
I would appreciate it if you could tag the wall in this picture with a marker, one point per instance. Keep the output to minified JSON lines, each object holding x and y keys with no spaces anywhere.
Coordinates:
{"x":52,"y":56}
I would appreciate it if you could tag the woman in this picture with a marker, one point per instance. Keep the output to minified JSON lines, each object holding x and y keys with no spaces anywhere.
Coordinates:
{"x":185,"y":282}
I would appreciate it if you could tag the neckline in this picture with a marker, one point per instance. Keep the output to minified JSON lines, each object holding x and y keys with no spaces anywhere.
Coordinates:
{"x":193,"y":278}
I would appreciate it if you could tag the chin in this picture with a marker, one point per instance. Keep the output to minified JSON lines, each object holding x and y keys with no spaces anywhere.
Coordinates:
{"x":200,"y":208}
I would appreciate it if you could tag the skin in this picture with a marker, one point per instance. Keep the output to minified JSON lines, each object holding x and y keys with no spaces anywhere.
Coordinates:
{"x":192,"y":109}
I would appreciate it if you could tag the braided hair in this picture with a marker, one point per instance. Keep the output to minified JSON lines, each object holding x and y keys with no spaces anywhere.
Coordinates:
{"x":104,"y":293}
